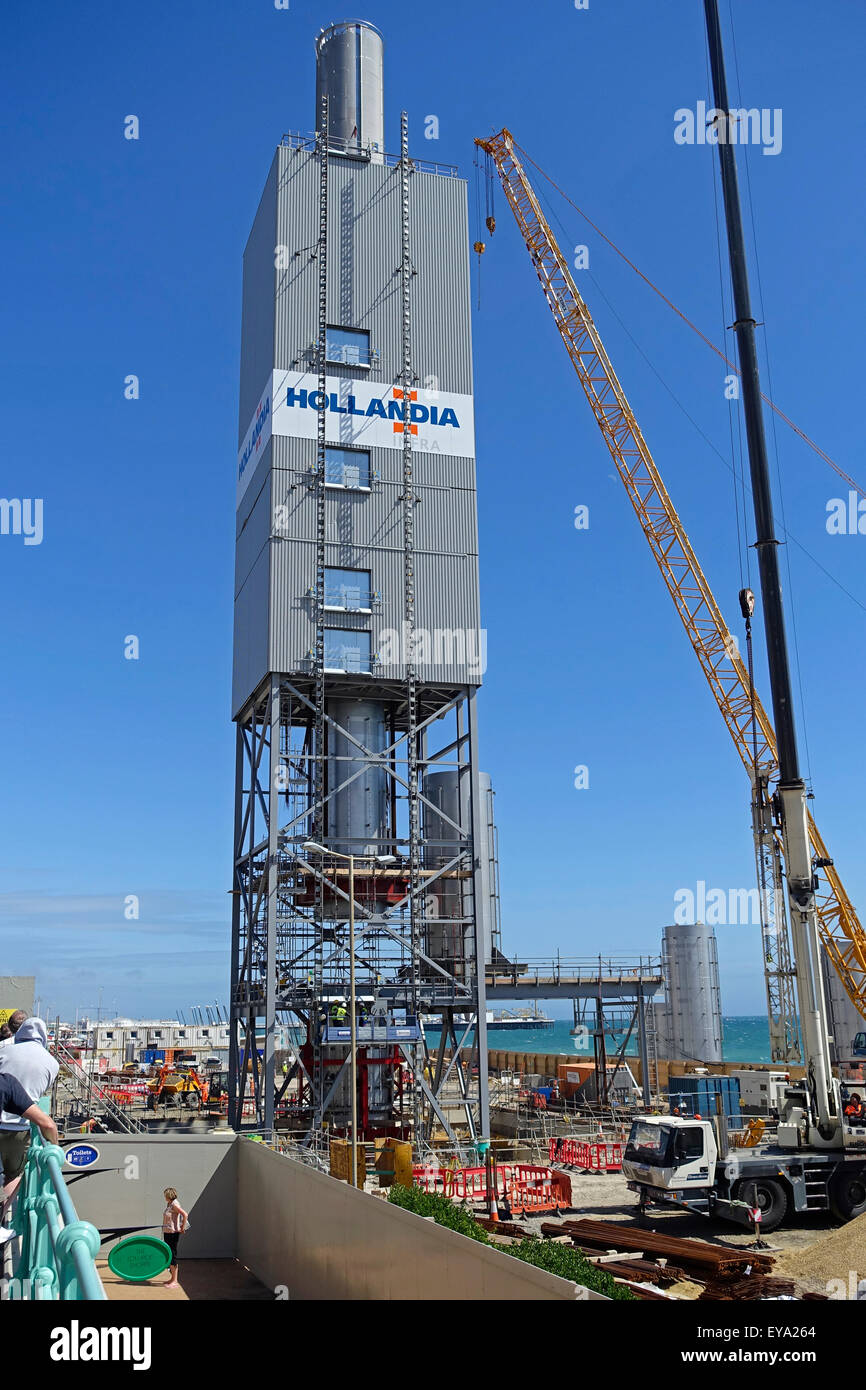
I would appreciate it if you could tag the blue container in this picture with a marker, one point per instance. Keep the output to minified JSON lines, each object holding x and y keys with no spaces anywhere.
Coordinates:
{"x":696,"y":1095}
{"x":151,"y":1055}
{"x":546,"y":1091}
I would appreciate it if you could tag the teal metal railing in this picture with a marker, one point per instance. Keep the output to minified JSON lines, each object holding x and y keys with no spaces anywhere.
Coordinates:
{"x":56,"y":1255}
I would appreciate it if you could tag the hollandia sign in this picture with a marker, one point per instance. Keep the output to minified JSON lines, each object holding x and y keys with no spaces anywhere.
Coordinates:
{"x":359,"y":414}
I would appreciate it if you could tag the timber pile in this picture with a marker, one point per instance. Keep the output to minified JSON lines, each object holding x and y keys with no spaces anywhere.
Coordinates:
{"x":712,"y":1264}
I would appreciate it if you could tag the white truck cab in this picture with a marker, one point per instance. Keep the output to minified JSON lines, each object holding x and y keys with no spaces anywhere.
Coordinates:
{"x":669,"y":1152}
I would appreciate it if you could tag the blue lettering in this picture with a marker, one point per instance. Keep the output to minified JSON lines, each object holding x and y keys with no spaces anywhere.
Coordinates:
{"x":418,"y":414}
{"x":353,"y":409}
{"x":264,"y":412}
{"x":294,"y":397}
{"x":332,"y":405}
{"x":316,"y":400}
{"x":377,"y":408}
{"x":434,"y":415}
{"x":395,"y":410}
{"x":448,"y":417}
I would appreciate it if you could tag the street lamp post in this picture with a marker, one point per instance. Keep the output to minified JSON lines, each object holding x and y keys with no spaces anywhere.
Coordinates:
{"x":312,"y":846}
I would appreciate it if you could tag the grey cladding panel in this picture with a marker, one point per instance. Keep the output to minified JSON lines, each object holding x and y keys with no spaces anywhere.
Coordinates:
{"x":251,"y":633}
{"x":257,"y":324}
{"x":254,"y":533}
{"x":364,"y":530}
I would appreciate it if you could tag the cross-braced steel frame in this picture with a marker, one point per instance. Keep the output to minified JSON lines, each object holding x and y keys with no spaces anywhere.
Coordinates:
{"x":417,"y":968}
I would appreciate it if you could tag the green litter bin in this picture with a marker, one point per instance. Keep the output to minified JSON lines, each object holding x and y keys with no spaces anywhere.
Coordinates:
{"x":139,"y":1258}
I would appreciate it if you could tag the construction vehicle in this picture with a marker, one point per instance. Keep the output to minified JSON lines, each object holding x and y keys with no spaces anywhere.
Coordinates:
{"x":818,"y":1160}
{"x":689,"y":1164}
{"x":217,"y":1091}
{"x":181,"y":1086}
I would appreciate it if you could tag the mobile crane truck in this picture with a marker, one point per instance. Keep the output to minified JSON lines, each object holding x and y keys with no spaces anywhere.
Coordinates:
{"x":818,"y":1160}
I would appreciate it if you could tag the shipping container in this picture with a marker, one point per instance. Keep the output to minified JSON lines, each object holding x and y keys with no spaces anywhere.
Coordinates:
{"x":696,"y":1095}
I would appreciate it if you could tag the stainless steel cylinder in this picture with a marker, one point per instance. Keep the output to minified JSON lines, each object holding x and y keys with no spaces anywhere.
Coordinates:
{"x":357,"y":814}
{"x":349,"y":72}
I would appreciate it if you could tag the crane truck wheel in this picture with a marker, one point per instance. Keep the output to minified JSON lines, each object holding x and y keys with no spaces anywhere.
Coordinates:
{"x":848,"y":1195}
{"x":770,"y":1196}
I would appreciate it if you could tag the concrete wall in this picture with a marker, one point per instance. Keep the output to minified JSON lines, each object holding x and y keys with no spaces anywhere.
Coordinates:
{"x":202,"y":1167}
{"x":291,"y":1225}
{"x":323,"y":1240}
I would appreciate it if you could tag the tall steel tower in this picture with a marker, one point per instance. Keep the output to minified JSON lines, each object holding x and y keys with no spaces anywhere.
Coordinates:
{"x":358,"y":649}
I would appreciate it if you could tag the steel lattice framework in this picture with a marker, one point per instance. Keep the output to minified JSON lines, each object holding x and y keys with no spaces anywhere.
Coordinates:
{"x":716,"y":649}
{"x":290,"y":937}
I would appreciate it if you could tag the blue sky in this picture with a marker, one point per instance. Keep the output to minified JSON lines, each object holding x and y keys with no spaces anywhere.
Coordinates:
{"x":125,"y":257}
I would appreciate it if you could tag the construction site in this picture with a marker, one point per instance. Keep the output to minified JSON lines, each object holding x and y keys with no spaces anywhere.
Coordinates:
{"x":366,"y":939}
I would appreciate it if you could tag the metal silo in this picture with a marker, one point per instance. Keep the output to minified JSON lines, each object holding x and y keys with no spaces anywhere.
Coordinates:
{"x":693,"y":1023}
{"x":349,"y":72}
{"x":442,"y":840}
{"x":357,"y":813}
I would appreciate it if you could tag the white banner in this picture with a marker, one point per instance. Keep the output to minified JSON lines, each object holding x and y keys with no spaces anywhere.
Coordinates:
{"x":360,"y":413}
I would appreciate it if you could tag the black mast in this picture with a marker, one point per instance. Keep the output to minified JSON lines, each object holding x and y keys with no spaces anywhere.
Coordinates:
{"x":744,"y":327}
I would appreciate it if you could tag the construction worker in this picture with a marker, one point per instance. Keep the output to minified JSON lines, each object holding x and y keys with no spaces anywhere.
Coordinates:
{"x":854,"y":1112}
{"x":338,"y":1012}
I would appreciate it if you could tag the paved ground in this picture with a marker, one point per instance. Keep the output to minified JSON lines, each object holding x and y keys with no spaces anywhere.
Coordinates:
{"x":216,"y":1280}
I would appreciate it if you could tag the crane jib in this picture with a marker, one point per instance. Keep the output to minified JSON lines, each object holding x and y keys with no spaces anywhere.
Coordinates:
{"x":841,"y":932}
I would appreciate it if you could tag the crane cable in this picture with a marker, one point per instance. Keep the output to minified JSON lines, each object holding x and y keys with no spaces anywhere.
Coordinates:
{"x":736,"y":473}
{"x":710,"y":344}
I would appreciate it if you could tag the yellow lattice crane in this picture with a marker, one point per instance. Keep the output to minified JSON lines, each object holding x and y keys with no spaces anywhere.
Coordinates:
{"x":716,"y":649}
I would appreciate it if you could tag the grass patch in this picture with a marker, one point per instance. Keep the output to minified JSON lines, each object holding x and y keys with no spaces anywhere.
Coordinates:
{"x":556,"y":1259}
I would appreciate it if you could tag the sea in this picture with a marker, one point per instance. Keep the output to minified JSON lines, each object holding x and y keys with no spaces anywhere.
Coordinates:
{"x":745,"y":1039}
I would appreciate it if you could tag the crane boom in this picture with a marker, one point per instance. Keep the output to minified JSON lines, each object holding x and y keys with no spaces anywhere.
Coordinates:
{"x":716,"y":648}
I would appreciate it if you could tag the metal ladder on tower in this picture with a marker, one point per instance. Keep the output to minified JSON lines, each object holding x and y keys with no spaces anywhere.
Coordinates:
{"x":317,"y":751}
{"x":409,"y":599}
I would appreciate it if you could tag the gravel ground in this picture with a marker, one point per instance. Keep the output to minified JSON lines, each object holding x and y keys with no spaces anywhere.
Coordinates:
{"x":605,"y":1197}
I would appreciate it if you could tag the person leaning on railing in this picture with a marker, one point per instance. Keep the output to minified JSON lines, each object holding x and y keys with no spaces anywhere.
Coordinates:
{"x":15,"y":1099}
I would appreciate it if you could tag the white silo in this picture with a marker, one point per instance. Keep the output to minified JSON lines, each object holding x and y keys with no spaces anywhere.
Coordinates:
{"x":693,"y":1015}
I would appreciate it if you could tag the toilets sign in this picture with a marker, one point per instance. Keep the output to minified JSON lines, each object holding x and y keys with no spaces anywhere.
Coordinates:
{"x":360,"y":414}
